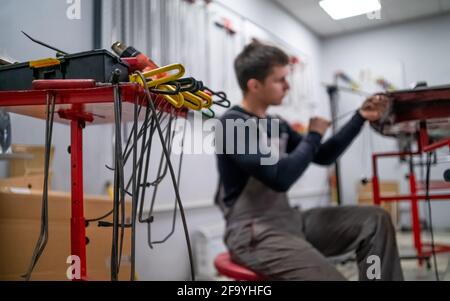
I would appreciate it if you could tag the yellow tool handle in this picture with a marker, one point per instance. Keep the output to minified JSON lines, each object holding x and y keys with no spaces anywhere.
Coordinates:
{"x":175,"y":100}
{"x":160,"y":71}
{"x":193,"y":101}
{"x":44,"y":63}
{"x":206,"y":97}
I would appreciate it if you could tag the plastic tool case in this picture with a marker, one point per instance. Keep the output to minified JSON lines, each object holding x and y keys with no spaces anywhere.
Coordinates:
{"x":95,"y":64}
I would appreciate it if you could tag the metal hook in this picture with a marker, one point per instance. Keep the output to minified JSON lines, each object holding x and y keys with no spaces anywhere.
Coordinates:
{"x":223,"y":102}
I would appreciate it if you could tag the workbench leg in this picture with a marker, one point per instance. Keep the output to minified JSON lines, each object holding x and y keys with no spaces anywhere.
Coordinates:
{"x":415,"y":217}
{"x":375,"y":181}
{"x":78,"y":231}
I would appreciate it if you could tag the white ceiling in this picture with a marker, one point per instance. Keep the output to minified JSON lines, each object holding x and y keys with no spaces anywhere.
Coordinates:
{"x":393,"y":11}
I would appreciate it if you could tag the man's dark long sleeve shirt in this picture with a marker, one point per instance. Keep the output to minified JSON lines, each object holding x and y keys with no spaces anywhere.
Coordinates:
{"x":236,"y":168}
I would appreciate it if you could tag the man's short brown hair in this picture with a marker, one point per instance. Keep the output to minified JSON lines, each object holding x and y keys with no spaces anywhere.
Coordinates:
{"x":256,"y":61}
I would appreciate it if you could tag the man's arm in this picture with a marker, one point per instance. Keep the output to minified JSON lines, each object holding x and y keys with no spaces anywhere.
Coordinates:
{"x":331,"y":149}
{"x":286,"y":170}
{"x":371,"y":110}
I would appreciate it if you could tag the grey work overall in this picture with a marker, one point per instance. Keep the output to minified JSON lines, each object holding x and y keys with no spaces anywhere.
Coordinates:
{"x":266,"y":235}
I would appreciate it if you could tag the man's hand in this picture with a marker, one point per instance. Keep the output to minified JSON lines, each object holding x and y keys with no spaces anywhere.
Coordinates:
{"x":318,"y":125}
{"x":374,"y":107}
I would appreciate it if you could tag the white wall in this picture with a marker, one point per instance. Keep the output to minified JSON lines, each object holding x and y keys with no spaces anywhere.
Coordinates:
{"x":403,"y":53}
{"x":46,"y":21}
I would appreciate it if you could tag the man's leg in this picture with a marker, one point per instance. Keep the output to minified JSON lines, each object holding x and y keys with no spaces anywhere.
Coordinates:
{"x":283,"y":256}
{"x":367,"y":230}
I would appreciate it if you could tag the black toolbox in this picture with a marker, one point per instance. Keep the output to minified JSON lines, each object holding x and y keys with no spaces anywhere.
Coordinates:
{"x":94,"y":64}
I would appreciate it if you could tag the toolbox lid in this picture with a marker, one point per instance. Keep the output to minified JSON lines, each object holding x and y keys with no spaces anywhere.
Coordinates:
{"x":13,"y":66}
{"x":83,"y":54}
{"x":94,"y":52}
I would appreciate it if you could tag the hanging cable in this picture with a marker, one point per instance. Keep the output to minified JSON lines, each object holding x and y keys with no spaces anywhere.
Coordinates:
{"x":172,"y":174}
{"x":162,"y":171}
{"x":127,"y":153}
{"x":174,"y":217}
{"x":43,"y":236}
{"x":135,"y":196}
{"x":427,"y":197}
{"x":119,"y":196}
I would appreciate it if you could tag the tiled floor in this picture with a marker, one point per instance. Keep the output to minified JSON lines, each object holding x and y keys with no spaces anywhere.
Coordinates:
{"x":411,"y":270}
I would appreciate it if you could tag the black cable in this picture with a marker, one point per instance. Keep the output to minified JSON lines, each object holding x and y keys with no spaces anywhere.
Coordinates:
{"x":132,"y":130}
{"x":119,"y":189}
{"x":100,"y":218}
{"x":135,"y":195}
{"x":160,"y":175}
{"x":138,"y":166}
{"x":162,"y":171}
{"x":140,"y":161}
{"x":122,"y":190}
{"x":172,"y":174}
{"x":427,"y":197}
{"x":43,"y":236}
{"x":119,"y":196}
{"x":116,"y":193}
{"x":121,"y":167}
{"x":175,"y":210}
{"x":126,"y":152}
{"x":146,"y":168}
{"x":147,"y":152}
{"x":120,"y":162}
{"x":143,"y":149}
{"x":44,"y":44}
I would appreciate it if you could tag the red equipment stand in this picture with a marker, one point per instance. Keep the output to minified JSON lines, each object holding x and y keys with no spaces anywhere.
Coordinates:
{"x":77,"y":222}
{"x":423,"y":249}
{"x":78,"y":102}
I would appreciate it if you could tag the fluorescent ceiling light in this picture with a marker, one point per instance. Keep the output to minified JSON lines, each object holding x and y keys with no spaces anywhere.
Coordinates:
{"x":341,"y":9}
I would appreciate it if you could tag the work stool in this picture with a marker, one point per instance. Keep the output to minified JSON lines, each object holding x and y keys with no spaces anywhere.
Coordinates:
{"x":225,"y":266}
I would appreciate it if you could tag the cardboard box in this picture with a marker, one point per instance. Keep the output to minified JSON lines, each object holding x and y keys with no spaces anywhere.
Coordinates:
{"x":32,"y":166}
{"x":387,"y":188}
{"x":20,"y":214}
{"x":35,"y":182}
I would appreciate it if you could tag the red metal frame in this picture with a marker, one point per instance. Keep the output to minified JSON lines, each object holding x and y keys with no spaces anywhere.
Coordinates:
{"x":423,"y":147}
{"x":78,"y":102}
{"x":77,"y":222}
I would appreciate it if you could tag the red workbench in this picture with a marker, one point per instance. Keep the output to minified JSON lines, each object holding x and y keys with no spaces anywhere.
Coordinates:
{"x":79,"y":103}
